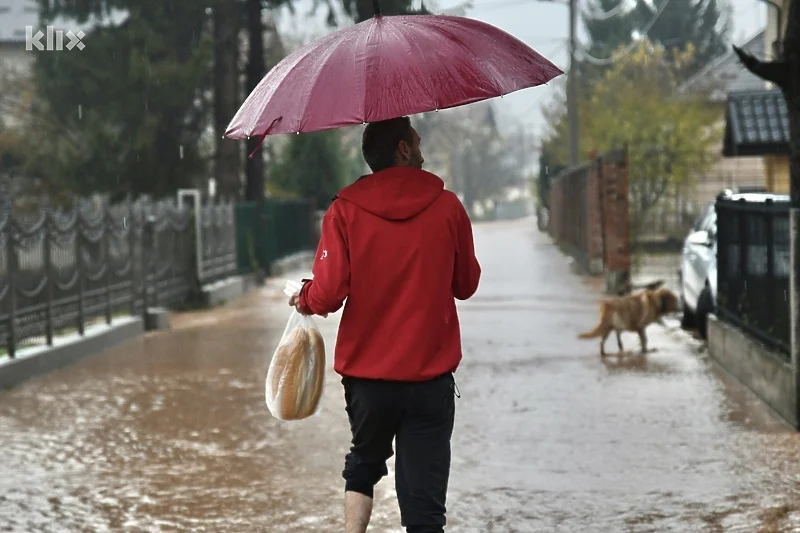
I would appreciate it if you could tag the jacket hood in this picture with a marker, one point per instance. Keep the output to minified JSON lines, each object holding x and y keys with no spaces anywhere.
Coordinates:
{"x":397,"y":193}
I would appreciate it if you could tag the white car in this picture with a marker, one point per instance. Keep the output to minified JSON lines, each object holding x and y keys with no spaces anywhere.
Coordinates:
{"x":698,"y":270}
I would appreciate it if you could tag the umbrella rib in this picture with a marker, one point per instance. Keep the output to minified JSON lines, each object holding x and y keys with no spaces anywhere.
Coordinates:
{"x":369,"y":64}
{"x":424,"y":80}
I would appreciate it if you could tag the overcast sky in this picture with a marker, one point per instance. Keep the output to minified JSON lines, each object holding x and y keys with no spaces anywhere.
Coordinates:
{"x":544,"y":26}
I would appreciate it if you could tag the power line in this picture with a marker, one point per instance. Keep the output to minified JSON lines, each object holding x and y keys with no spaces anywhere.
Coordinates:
{"x":610,"y":13}
{"x":628,"y":49}
{"x":510,"y":3}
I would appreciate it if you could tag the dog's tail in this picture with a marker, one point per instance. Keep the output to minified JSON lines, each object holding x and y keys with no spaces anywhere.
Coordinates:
{"x":598,"y":330}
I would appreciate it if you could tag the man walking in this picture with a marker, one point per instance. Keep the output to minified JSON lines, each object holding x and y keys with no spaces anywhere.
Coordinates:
{"x":400,"y":249}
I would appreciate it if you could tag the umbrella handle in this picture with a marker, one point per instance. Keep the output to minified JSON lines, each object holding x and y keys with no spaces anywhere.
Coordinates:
{"x":376,"y":8}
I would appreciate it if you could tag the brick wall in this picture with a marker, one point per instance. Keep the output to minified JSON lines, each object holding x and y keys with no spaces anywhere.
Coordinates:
{"x":589,"y":216}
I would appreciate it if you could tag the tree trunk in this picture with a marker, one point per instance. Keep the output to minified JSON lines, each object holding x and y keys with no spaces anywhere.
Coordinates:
{"x":255,"y":72}
{"x":228,"y":156}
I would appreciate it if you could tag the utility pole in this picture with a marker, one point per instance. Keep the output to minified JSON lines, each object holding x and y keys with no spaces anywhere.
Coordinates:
{"x":572,"y":87}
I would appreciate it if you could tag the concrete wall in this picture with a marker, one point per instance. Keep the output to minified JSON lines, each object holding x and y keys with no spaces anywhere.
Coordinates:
{"x":764,"y":372}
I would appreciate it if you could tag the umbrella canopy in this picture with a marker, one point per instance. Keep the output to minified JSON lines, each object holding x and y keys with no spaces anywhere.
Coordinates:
{"x":387,"y":67}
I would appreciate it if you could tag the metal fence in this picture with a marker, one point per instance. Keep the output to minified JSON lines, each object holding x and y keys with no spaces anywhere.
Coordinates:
{"x":569,"y":212}
{"x":217,"y":242}
{"x":288,"y":226}
{"x":753,"y":269}
{"x":63,"y":270}
{"x":589,"y":214}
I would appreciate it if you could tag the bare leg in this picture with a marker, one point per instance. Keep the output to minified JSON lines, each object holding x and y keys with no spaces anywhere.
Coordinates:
{"x":357,"y":512}
{"x":619,"y":342}
{"x":643,"y":340}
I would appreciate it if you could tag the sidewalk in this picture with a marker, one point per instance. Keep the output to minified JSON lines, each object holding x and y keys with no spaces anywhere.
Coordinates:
{"x":171,"y":433}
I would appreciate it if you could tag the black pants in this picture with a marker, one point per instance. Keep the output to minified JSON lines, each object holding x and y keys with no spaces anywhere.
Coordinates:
{"x":419,"y":416}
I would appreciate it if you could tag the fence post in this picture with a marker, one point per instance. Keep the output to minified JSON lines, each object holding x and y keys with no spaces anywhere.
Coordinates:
{"x":769,"y":215}
{"x":12,"y":288}
{"x":743,"y":270}
{"x":107,"y":253}
{"x":129,"y":227}
{"x":722,"y":257}
{"x":48,"y":268}
{"x":79,"y":266}
{"x":154,"y":251}
{"x":143,"y":258}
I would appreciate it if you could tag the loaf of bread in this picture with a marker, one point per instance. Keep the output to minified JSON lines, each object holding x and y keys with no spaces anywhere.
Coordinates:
{"x":297,"y":373}
{"x":312,"y":392}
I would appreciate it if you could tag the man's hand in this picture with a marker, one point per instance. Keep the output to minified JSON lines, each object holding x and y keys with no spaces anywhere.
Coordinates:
{"x":294,"y":301}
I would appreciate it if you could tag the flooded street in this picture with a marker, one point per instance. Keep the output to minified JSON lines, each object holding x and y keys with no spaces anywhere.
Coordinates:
{"x":171,"y":432}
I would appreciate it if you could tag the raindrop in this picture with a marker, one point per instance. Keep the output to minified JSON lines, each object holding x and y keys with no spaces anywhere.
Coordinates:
{"x":180,"y":150}
{"x":125,"y":222}
{"x":80,"y":112}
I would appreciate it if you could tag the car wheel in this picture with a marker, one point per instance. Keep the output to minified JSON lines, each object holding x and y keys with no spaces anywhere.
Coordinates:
{"x":704,"y":306}
{"x":688,"y":319}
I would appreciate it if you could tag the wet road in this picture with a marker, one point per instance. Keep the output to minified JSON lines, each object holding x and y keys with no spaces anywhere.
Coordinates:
{"x":171,"y":433}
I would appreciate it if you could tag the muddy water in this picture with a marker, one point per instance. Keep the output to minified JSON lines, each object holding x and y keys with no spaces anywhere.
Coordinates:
{"x":171,"y":433}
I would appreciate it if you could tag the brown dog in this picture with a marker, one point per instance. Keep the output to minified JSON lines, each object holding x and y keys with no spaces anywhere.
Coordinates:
{"x":633,"y":312}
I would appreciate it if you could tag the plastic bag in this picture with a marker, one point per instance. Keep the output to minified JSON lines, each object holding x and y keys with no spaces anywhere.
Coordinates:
{"x":296,"y":375}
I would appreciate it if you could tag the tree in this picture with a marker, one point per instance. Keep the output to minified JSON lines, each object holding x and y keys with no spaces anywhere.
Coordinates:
{"x":361,"y":10}
{"x":227,"y":22}
{"x":669,"y":139}
{"x":313,"y":166}
{"x":126,"y":113}
{"x":705,"y":24}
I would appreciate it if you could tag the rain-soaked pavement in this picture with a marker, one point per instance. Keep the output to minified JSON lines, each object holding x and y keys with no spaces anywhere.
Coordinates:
{"x":171,"y":433}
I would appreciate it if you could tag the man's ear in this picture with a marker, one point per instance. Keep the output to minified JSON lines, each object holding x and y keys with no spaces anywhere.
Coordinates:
{"x":404,"y":149}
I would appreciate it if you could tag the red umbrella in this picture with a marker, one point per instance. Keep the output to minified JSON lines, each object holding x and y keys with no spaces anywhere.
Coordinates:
{"x":387,"y":67}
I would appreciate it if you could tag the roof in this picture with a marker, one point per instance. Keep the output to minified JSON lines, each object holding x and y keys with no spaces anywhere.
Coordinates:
{"x":726,"y":73}
{"x":756,"y":123}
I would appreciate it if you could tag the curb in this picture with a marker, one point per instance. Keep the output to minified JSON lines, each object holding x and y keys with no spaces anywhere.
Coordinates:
{"x":39,"y":360}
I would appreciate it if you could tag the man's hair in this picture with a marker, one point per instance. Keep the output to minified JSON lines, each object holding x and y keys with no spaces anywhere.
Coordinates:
{"x":380,"y":140}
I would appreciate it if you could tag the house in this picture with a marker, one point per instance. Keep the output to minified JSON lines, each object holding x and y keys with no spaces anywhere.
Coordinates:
{"x":15,"y":16}
{"x":757,"y":121}
{"x":757,"y":127}
{"x":18,"y":15}
{"x":717,"y":79}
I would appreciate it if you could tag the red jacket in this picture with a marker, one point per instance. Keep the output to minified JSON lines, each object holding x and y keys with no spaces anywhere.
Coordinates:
{"x":399,"y":248}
